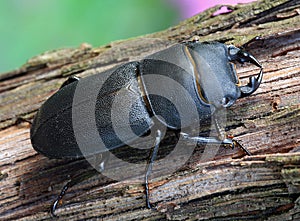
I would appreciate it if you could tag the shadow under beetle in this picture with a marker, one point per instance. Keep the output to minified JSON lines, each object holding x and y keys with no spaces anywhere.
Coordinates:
{"x":52,"y":132}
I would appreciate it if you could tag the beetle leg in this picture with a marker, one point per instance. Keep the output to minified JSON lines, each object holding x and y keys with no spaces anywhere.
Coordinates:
{"x":77,"y":179}
{"x":20,"y":120}
{"x":216,"y":119}
{"x":214,"y":140}
{"x":222,"y":139}
{"x":205,"y":140}
{"x":241,"y":147}
{"x":223,"y":136}
{"x":74,"y":181}
{"x":150,"y":165}
{"x":69,"y":81}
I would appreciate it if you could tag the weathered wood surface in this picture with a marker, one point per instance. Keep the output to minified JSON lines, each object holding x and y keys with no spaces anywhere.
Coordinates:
{"x":265,"y":186}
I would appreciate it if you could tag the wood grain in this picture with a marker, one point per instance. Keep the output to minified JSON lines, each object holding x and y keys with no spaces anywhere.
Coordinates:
{"x":230,"y":186}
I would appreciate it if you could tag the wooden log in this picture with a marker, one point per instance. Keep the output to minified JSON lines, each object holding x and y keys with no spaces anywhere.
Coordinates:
{"x":229,"y":186}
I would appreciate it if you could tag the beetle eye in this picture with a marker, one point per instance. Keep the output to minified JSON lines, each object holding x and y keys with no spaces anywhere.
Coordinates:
{"x":227,"y":101}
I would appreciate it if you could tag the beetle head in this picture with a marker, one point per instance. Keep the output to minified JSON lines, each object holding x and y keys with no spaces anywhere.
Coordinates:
{"x":216,"y":78}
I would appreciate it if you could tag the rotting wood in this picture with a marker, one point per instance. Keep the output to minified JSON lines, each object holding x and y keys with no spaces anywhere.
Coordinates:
{"x":229,"y":187}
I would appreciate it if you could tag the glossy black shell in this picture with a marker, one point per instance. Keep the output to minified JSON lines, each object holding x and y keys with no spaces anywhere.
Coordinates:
{"x":52,"y":131}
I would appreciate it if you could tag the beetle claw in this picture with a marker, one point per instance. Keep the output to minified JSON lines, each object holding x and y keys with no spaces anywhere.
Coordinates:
{"x":236,"y":54}
{"x":243,"y":57}
{"x":252,"y":85}
{"x":53,"y":207}
{"x":236,"y":143}
{"x":59,"y":199}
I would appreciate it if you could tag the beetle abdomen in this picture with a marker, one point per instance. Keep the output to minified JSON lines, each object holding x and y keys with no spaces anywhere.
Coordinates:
{"x":90,"y":113}
{"x":51,"y":132}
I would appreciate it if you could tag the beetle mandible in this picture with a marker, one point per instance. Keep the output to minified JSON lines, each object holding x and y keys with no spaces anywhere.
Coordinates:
{"x":211,"y":64}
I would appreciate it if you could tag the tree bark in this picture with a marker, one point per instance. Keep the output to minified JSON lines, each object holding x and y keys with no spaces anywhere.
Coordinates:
{"x":229,"y":186}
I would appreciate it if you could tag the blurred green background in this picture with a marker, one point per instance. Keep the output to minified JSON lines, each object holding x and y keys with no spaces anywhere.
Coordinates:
{"x":30,"y":27}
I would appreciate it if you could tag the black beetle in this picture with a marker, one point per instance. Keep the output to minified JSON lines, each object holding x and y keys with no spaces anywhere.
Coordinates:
{"x":205,"y":71}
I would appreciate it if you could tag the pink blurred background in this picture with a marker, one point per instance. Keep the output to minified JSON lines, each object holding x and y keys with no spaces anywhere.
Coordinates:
{"x":95,"y":22}
{"x":189,"y":8}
